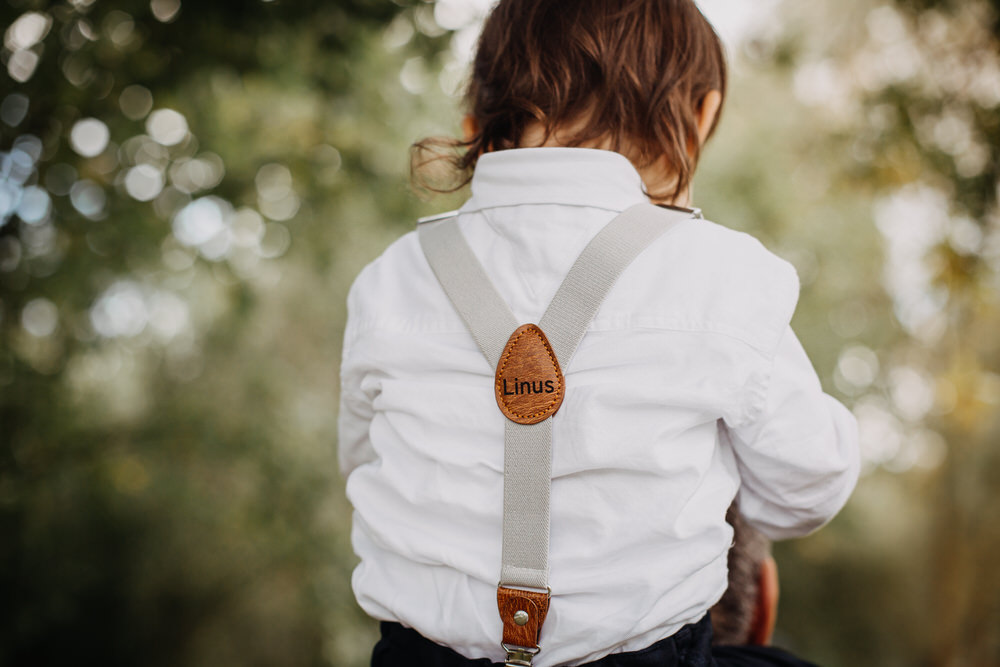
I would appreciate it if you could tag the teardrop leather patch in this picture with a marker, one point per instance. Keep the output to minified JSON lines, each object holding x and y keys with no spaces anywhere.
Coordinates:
{"x":529,"y":383}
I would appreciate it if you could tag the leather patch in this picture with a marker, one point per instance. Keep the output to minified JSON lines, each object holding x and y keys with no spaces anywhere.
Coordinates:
{"x":529,"y":383}
{"x":511,"y":601}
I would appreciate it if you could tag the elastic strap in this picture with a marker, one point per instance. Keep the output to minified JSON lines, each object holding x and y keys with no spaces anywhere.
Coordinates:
{"x":464,"y":280}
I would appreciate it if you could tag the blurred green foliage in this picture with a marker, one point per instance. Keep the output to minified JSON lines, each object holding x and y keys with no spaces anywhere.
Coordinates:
{"x":168,"y":485}
{"x":881,"y":141}
{"x":188,"y":189}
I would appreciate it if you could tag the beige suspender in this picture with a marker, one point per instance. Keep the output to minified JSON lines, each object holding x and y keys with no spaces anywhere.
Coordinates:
{"x":529,"y":386}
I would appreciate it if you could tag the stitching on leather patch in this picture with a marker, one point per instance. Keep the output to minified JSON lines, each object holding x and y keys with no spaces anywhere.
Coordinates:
{"x":529,"y":384}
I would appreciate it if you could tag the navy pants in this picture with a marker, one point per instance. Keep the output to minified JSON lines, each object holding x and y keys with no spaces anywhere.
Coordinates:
{"x":688,"y":647}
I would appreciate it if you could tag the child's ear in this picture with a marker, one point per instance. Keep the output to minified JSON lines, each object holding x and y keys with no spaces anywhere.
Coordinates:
{"x":470,"y":128}
{"x":707,"y":112}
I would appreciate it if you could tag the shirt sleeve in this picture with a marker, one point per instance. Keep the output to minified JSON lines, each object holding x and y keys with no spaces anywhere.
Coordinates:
{"x":796,"y":450}
{"x":356,"y":412}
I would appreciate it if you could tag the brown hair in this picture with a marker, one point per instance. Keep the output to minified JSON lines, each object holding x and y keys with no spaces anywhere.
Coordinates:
{"x":629,"y":72}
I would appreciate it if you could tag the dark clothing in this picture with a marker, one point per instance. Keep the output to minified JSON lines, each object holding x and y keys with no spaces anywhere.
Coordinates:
{"x":688,"y":647}
{"x":756,"y":656}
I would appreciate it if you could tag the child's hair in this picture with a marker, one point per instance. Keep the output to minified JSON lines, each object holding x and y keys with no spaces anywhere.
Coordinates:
{"x":633,"y":72}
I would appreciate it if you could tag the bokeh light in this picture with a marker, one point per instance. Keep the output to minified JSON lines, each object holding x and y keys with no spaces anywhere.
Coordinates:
{"x":89,"y":137}
{"x":119,"y":27}
{"x":13,"y":109}
{"x":21,"y":65}
{"x":275,"y":196}
{"x":22,"y":43}
{"x":191,"y":175}
{"x":120,"y":311}
{"x":40,"y":317}
{"x":27,"y":30}
{"x":34,"y":206}
{"x":275,"y":241}
{"x":248,"y":228}
{"x":88,"y":198}
{"x":144,"y":182}
{"x":206,"y":224}
{"x":857,"y":369}
{"x":165,"y":10}
{"x":135,"y":101}
{"x":167,"y":127}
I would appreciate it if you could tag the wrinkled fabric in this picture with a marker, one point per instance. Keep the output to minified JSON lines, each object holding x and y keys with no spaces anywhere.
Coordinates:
{"x":689,"y":388}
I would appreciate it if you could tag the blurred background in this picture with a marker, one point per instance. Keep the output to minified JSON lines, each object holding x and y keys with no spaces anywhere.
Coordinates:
{"x":188,"y":188}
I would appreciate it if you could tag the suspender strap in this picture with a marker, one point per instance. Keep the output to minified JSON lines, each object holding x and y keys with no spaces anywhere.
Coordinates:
{"x":597,"y":269}
{"x":522,"y":596}
{"x":485,"y":312}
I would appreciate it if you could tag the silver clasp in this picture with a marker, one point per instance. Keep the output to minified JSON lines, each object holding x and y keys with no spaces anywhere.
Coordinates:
{"x":518,"y":656}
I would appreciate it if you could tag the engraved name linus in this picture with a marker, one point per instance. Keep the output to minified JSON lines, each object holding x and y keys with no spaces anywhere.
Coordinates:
{"x":517,"y":387}
{"x":529,"y":383}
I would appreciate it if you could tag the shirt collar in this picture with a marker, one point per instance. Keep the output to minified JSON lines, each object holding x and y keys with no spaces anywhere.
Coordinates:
{"x":555,"y":175}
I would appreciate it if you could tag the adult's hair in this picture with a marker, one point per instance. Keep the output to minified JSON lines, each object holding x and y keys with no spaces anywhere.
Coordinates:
{"x":630,"y":72}
{"x":733,"y":614}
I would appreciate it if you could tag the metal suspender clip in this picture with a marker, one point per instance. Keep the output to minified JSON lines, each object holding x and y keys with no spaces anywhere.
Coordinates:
{"x":437,"y":218}
{"x":518,"y":656}
{"x":694,"y":212}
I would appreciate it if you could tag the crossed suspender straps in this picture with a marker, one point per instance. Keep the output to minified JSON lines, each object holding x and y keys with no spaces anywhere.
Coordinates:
{"x":523,"y":592}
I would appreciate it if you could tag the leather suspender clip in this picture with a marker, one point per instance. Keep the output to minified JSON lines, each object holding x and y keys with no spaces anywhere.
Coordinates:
{"x":522,"y":613}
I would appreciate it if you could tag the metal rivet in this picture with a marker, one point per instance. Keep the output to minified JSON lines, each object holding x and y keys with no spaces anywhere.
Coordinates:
{"x":521,"y":617}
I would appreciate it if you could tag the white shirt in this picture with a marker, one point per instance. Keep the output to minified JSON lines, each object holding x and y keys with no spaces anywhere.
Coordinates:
{"x":688,"y":389}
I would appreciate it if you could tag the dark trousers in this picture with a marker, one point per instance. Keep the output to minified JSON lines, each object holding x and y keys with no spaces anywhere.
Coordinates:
{"x":688,"y":647}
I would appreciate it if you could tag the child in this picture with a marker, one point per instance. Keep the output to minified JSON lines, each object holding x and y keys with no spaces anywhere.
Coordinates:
{"x":687,"y":390}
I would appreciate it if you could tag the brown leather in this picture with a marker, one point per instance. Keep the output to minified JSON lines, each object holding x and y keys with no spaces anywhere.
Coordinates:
{"x":510,"y":601}
{"x":529,"y":383}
